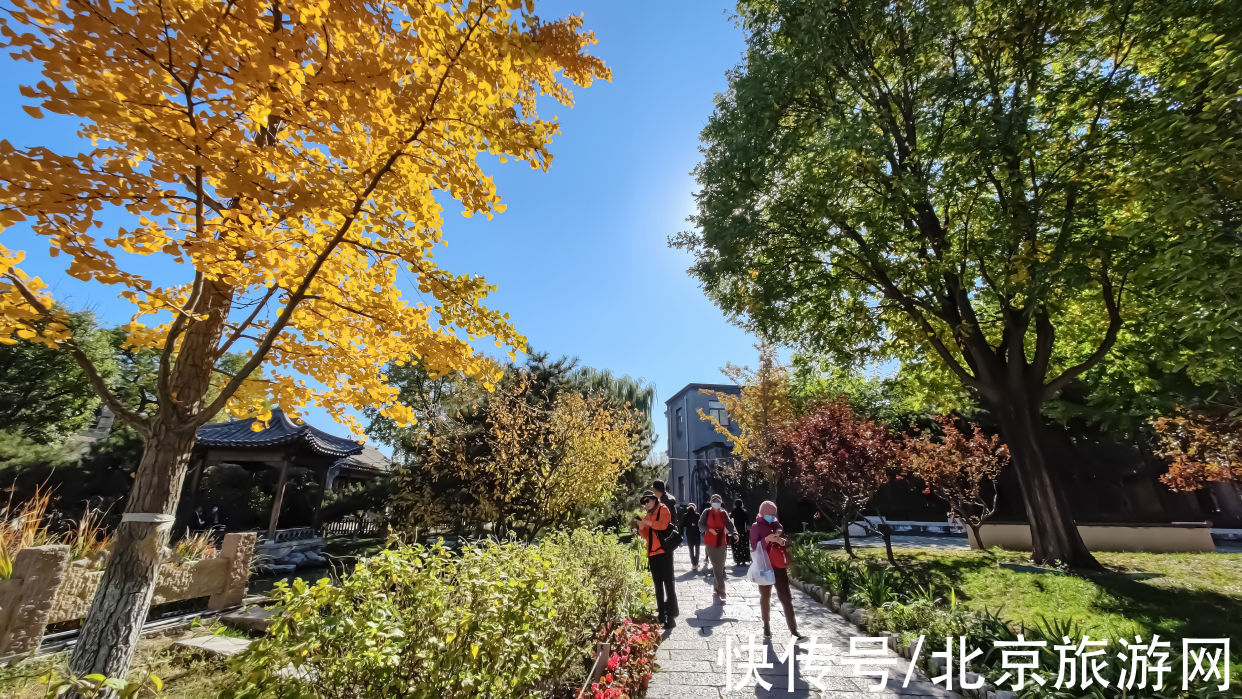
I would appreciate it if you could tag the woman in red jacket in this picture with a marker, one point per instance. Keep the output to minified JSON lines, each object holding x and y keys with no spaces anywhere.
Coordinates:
{"x":768,"y":532}
{"x":718,"y":530}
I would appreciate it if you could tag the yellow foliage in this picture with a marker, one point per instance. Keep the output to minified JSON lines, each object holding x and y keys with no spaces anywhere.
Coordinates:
{"x":544,"y":464}
{"x":763,"y":405}
{"x":290,"y":165}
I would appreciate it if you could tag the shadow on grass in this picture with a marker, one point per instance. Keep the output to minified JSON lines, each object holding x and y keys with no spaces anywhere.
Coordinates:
{"x":1173,"y":612}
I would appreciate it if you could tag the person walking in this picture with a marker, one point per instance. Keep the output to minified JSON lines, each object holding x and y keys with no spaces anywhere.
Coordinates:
{"x":669,"y":501}
{"x":690,"y":533}
{"x":741,"y":552}
{"x":768,"y":532}
{"x":651,"y":528}
{"x":718,"y":530}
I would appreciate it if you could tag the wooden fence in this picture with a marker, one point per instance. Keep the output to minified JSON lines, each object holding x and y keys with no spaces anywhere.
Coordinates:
{"x":355,"y":525}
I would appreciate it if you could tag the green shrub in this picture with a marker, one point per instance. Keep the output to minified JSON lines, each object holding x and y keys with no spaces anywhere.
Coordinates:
{"x":873,"y":587}
{"x":494,"y":620}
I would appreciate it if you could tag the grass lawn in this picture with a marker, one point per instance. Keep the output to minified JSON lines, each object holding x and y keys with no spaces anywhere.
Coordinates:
{"x":1174,"y":595}
{"x":184,"y":676}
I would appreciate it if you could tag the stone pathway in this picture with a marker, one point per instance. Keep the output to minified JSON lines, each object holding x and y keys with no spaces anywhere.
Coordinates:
{"x":688,"y":658}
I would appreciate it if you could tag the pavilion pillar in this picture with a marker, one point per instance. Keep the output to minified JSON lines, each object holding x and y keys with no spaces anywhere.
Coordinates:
{"x":278,"y":499}
{"x":196,"y":479}
{"x":317,"y":518}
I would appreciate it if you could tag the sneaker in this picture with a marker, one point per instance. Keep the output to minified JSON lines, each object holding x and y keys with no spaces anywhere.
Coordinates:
{"x":767,"y":632}
{"x":672,"y":623}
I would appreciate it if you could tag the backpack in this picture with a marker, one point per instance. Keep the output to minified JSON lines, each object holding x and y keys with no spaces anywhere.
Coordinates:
{"x":670,"y":538}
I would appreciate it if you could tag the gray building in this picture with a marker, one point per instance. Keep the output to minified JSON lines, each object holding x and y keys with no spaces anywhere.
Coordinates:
{"x":694,"y":446}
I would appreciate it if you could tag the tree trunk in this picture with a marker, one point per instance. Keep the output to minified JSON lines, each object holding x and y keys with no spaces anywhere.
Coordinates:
{"x":110,"y":631}
{"x":974,"y":529}
{"x":1054,"y":534}
{"x":845,"y":532}
{"x":887,"y":532}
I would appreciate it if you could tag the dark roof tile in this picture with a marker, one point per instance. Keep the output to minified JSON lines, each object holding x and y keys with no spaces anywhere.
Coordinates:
{"x":280,"y":430}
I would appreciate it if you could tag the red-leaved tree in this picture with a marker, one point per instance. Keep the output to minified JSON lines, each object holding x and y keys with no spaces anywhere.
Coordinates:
{"x":838,"y":460}
{"x":1199,"y":448}
{"x":959,"y":468}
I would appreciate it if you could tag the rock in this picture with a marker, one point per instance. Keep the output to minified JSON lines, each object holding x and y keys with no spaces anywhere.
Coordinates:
{"x":255,"y":620}
{"x":280,"y":568}
{"x":894,"y":641}
{"x":847,"y":609}
{"x":217,"y":646}
{"x":972,"y":679}
{"x":836,"y":603}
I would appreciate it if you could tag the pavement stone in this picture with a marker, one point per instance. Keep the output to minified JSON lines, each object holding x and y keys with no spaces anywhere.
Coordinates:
{"x":689,"y":660}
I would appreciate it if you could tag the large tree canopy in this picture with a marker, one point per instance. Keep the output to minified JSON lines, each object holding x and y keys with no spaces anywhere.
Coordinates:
{"x":288,"y":164}
{"x":950,"y":183}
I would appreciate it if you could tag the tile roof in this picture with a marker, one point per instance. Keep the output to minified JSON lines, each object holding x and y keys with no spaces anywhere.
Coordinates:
{"x":280,"y":430}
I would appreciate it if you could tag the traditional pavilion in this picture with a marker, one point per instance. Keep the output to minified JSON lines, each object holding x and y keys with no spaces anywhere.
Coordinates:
{"x":282,"y":444}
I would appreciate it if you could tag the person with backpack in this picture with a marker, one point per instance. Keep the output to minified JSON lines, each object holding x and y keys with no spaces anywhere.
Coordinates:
{"x":665,"y":497}
{"x":718,"y":529}
{"x":661,"y":537}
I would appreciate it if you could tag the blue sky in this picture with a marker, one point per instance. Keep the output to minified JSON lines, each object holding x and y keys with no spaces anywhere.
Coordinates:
{"x":580,"y":256}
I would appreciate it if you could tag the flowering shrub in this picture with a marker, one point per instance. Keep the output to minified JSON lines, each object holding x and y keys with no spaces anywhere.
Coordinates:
{"x":630,"y":665}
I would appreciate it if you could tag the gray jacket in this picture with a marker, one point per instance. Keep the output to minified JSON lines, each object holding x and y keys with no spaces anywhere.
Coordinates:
{"x":732,"y":531}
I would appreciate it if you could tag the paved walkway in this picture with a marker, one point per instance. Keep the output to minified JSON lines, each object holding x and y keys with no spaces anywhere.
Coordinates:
{"x":690,"y":658}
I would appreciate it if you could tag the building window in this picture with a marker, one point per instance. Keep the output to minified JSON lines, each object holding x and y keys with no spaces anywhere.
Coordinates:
{"x":680,"y":418}
{"x":716,"y":411}
{"x":681,"y":487}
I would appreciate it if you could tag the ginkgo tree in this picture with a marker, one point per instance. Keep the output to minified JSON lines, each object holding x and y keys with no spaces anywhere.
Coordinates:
{"x":291,"y":160}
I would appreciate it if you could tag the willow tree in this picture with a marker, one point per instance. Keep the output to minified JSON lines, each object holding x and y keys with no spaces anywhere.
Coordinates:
{"x":287,"y":163}
{"x":940,"y":181}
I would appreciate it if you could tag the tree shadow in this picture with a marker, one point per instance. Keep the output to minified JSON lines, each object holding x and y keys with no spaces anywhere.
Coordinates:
{"x":1172,"y":612}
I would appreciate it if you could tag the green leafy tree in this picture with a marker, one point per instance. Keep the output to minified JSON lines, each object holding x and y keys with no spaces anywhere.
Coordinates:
{"x":45,"y":395}
{"x":942,"y":183}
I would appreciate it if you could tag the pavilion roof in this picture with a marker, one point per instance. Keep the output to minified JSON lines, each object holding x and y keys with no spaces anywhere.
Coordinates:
{"x":280,"y":431}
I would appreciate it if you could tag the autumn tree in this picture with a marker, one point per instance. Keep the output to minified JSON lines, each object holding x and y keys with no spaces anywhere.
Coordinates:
{"x":838,"y":460}
{"x":958,"y":467}
{"x":1200,"y":448}
{"x":290,"y":161}
{"x":760,"y":409}
{"x":961,"y":186}
{"x":531,"y":463}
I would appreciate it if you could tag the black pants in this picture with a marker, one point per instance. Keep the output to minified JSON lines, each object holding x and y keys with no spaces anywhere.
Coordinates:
{"x":692,"y":543}
{"x":661,"y":566}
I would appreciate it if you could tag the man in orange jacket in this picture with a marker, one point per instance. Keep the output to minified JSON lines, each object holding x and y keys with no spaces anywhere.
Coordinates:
{"x":652,"y":528}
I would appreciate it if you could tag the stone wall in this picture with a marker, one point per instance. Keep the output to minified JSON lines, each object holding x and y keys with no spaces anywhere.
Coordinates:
{"x":46,"y":588}
{"x":1170,"y":538}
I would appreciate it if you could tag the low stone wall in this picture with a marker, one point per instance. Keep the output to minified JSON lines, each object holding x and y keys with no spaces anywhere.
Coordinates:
{"x":1153,"y":538}
{"x":46,"y":588}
